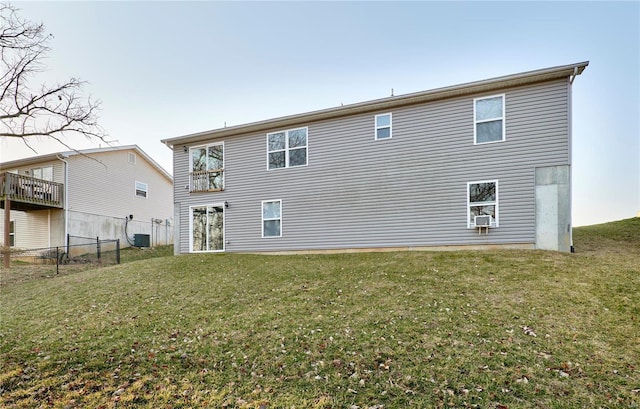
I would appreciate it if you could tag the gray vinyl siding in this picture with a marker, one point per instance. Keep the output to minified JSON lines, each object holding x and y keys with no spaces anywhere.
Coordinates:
{"x":410,"y":190}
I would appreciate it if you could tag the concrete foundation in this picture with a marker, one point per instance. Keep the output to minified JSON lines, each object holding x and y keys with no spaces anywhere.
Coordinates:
{"x":106,"y":227}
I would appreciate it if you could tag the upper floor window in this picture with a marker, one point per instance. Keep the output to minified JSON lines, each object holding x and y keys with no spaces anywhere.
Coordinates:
{"x":207,"y":168}
{"x":383,"y":126}
{"x":142,"y":189}
{"x":287,"y":149}
{"x":44,"y":173}
{"x":488,"y":119}
{"x":482,"y":200}
{"x":131,"y":158}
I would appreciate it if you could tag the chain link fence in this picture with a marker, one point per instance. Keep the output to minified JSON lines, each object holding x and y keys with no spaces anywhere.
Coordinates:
{"x":79,"y":253}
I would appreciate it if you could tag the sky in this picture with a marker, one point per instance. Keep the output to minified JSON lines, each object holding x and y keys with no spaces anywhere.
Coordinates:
{"x":167,"y":69}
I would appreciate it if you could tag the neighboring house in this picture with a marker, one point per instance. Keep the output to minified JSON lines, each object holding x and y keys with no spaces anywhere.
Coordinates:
{"x":87,"y":193}
{"x":485,"y":164}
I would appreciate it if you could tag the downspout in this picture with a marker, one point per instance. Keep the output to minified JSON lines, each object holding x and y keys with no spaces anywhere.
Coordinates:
{"x":570,"y":131}
{"x":66,"y":198}
{"x":49,"y":227}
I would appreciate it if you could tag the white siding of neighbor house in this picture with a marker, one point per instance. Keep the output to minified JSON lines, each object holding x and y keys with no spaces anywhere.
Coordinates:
{"x":32,"y":228}
{"x":410,"y":190}
{"x":101,"y":189}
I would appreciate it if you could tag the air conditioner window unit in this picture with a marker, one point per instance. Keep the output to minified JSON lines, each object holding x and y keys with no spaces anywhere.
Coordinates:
{"x":483,"y":221}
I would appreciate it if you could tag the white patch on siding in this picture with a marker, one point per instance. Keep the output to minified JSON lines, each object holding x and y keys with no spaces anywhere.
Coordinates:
{"x":547,"y":217}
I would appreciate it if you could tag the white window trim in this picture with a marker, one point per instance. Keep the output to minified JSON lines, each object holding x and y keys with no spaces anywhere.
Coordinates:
{"x":224,"y":227}
{"x":286,"y":148}
{"x":503,"y":118}
{"x":263,"y":219}
{"x":146,"y":189}
{"x":491,"y":203}
{"x":376,"y":127}
{"x":224,"y":162}
{"x":41,"y":169}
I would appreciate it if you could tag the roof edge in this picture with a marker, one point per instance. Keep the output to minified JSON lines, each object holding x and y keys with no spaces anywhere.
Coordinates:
{"x":84,"y":152}
{"x":487,"y":85}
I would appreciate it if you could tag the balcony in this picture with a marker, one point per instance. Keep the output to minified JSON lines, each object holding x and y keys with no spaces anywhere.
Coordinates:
{"x":207,"y":181}
{"x":27,"y":193}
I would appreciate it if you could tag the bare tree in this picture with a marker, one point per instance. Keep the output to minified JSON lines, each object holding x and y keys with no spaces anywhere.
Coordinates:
{"x":51,"y":111}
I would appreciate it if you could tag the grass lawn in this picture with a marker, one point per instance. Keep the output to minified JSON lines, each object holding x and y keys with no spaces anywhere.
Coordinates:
{"x":494,"y":329}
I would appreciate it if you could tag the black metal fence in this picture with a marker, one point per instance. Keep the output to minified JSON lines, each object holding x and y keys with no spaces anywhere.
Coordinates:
{"x":78,"y":245}
{"x":97,"y":252}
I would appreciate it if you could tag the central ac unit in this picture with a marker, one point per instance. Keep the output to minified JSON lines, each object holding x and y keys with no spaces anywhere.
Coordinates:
{"x":141,"y":240}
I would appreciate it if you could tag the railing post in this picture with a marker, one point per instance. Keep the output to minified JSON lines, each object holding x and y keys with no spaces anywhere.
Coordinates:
{"x":7,"y":236}
{"x":118,"y":251}
{"x":98,"y":247}
{"x":57,"y":259}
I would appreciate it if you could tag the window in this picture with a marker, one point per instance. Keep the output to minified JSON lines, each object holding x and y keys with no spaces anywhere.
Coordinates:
{"x":272,"y":218}
{"x":207,"y":228}
{"x":383,"y":126}
{"x":131,"y":158}
{"x":142,"y":189}
{"x":207,"y":168}
{"x":286,"y":149}
{"x":489,"y":119}
{"x":482,"y":200}
{"x":44,"y":173}
{"x":12,"y":233}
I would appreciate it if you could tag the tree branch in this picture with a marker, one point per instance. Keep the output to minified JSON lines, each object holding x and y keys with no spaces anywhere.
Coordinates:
{"x":54,"y":112}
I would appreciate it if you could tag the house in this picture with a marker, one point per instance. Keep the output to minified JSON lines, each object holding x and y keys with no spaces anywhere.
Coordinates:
{"x":85,"y":194}
{"x":485,"y":164}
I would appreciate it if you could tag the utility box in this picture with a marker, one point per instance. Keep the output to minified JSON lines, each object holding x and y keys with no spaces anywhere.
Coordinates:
{"x":141,"y":240}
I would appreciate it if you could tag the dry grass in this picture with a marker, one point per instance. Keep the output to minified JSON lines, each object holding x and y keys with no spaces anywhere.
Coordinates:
{"x":507,"y":329}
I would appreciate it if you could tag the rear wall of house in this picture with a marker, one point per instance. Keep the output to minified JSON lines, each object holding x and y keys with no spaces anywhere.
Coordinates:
{"x":411,"y":190}
{"x":102,"y":193}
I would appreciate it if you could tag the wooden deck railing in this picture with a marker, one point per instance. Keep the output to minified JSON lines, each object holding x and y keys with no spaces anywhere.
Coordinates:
{"x":25,"y":189}
{"x":207,"y":180}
